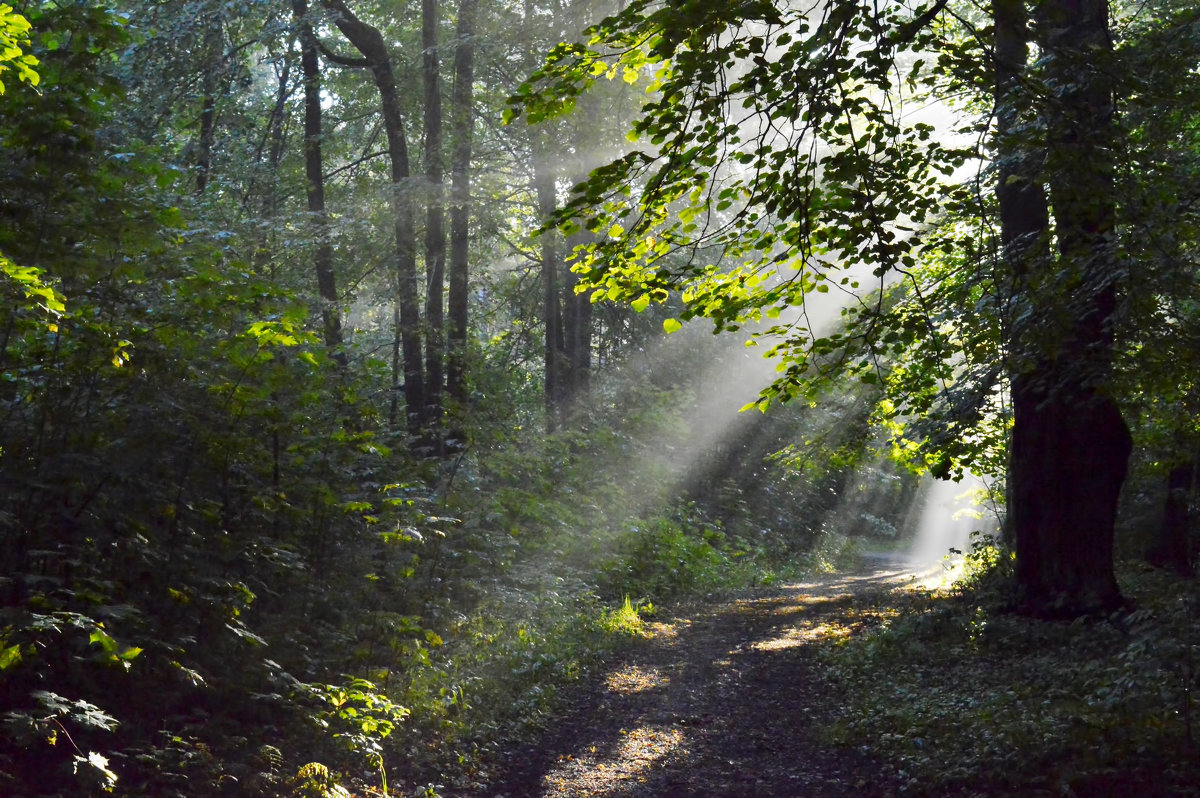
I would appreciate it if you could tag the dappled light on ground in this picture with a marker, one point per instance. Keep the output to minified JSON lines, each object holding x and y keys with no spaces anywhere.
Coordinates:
{"x":939,"y":574}
{"x":942,"y":577}
{"x":594,"y":772}
{"x":802,"y":635}
{"x":667,"y":633}
{"x":633,"y":679}
{"x":727,"y":699}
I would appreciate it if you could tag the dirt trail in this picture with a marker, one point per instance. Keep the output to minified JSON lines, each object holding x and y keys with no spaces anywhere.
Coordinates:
{"x":727,"y":699}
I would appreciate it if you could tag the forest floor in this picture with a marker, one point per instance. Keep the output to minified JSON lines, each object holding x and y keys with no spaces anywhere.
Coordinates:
{"x":724,"y":698}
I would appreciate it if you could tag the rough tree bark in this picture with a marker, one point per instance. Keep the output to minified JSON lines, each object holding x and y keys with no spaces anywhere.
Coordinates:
{"x":1070,"y":445}
{"x":369,"y":41}
{"x":462,"y":121}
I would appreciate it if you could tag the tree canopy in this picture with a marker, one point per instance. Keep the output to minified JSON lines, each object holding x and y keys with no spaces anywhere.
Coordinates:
{"x":796,"y":140}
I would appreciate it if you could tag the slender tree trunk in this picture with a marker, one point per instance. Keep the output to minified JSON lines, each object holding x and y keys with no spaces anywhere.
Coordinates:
{"x":208,"y":104}
{"x":208,"y":111}
{"x":590,"y":136}
{"x":274,"y":144}
{"x":369,"y":41}
{"x":577,"y":333}
{"x":545,"y":187}
{"x":1070,"y":446}
{"x":462,"y":123}
{"x":314,"y":174}
{"x":435,"y":224}
{"x":1171,"y":549}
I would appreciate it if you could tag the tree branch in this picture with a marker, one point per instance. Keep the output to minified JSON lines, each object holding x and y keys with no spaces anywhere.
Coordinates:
{"x":342,"y":60}
{"x":908,"y":30}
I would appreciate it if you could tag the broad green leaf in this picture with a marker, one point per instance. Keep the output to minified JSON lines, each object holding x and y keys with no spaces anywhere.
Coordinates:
{"x":10,"y":657}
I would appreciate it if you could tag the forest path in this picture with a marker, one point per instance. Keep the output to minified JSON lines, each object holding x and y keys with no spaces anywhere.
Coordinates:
{"x":726,"y":699}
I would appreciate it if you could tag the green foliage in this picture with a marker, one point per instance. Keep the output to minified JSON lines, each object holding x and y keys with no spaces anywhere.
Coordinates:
{"x":367,"y":716}
{"x":626,"y":618}
{"x":778,"y":160}
{"x":29,"y":282}
{"x":987,"y":568}
{"x":314,"y":780}
{"x":56,"y":721}
{"x":669,"y":556}
{"x":496,"y":680}
{"x":14,"y":37}
{"x":223,"y":574}
{"x":195,"y":491}
{"x":529,"y":587}
{"x":363,"y":718}
{"x":787,"y":218}
{"x":663,"y":556}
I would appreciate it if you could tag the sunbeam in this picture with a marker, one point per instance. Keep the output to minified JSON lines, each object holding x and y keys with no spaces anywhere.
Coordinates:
{"x":942,"y":517}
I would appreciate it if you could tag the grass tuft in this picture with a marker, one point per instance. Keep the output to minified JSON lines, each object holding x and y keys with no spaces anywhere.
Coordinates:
{"x":626,"y":619}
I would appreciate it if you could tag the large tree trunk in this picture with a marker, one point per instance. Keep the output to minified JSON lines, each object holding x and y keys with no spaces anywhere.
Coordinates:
{"x":369,"y":41}
{"x":314,"y":174}
{"x":1024,"y":215}
{"x":1070,"y":446}
{"x":462,"y":125}
{"x":435,"y":224}
{"x":1069,"y":456}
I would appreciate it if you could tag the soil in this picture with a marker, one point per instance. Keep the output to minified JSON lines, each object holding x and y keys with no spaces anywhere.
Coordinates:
{"x":726,"y":698}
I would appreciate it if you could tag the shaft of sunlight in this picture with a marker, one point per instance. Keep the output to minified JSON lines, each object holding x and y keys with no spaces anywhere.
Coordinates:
{"x":942,"y":517}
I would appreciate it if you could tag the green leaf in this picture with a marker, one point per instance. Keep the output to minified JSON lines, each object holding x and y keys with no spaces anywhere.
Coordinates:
{"x":104,"y":640}
{"x":10,"y":657}
{"x":671,"y":325}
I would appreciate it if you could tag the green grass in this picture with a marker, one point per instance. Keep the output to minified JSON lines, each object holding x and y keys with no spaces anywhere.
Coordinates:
{"x":626,"y":618}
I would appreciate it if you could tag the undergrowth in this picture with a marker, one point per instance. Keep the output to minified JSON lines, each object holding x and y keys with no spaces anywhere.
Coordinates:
{"x":954,"y":694}
{"x":498,"y":676}
{"x":553,"y":563}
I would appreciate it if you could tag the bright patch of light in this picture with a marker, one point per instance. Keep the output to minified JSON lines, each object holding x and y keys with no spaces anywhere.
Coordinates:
{"x":622,"y":765}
